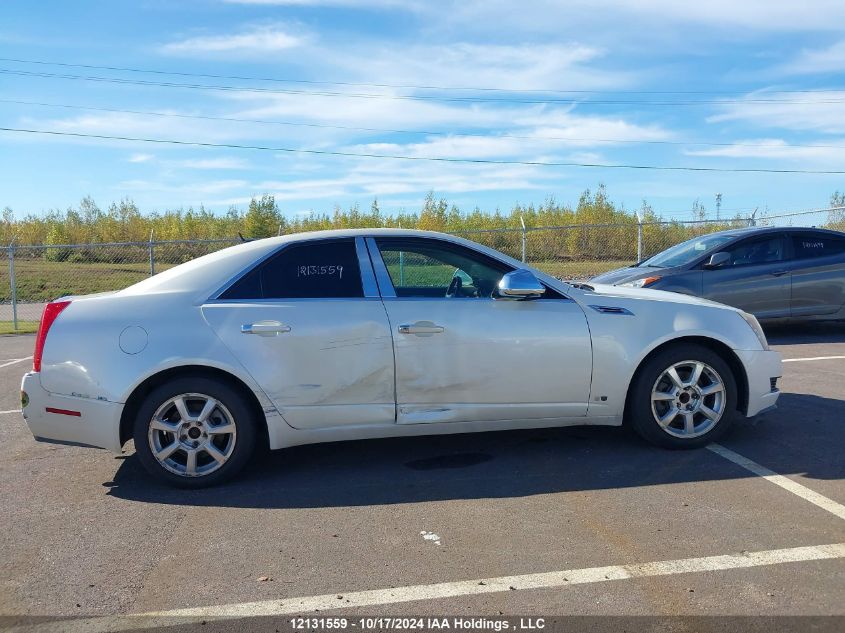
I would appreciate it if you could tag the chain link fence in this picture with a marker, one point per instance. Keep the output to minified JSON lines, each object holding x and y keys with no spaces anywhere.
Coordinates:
{"x":30,"y":276}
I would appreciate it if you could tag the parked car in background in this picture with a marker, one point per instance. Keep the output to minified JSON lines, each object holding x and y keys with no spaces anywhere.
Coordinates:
{"x":340,"y":335}
{"x":773,"y":273}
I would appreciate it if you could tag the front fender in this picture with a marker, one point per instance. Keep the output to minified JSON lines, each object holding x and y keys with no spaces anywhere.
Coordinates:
{"x":622,"y":341}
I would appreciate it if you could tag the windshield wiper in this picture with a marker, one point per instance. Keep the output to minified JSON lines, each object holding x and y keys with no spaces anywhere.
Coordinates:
{"x":580,"y":285}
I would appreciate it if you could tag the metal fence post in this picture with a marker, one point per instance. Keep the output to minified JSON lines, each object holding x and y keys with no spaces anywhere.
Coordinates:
{"x":524,"y":237}
{"x":152,"y":258}
{"x":639,"y":238}
{"x":13,"y":286}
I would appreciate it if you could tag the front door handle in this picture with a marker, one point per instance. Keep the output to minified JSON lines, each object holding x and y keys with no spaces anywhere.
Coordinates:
{"x":265,"y":328}
{"x":421,"y":328}
{"x":779,"y":273}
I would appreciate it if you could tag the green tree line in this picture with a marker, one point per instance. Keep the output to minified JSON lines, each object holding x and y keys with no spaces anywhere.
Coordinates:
{"x":125,"y":222}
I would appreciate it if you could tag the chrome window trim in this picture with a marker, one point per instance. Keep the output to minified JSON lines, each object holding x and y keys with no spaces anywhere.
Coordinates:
{"x":385,"y":283}
{"x":215,"y":296}
{"x":285,"y":301}
{"x":368,"y":278}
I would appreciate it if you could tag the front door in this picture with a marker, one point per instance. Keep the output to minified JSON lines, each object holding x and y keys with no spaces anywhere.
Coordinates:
{"x":313,"y":334}
{"x":755,"y":279}
{"x":462,"y":355}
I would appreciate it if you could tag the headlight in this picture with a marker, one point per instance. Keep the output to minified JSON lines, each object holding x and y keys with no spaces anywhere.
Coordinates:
{"x":640,"y":283}
{"x":755,"y":325}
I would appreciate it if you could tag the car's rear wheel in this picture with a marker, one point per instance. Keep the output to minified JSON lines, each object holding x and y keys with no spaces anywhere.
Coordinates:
{"x":683,"y":397}
{"x":194,"y":432}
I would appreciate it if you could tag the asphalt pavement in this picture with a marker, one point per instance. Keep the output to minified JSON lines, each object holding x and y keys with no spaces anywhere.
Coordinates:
{"x":86,"y":533}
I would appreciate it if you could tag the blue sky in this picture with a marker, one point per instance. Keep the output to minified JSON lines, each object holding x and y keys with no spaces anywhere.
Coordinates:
{"x":748,"y":61}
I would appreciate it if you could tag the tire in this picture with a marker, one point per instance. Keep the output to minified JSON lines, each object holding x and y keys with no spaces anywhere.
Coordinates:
{"x":710,"y":402}
{"x":199,"y":415}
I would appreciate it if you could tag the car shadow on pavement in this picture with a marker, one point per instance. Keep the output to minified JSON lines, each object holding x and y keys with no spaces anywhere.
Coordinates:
{"x":506,"y":464}
{"x":806,"y":333}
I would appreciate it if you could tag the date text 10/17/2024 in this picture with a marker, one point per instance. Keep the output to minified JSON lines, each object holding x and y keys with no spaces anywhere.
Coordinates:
{"x":417,"y":624}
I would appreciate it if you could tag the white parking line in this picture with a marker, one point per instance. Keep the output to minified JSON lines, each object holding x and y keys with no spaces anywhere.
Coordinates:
{"x":779,"y":480}
{"x":801,"y":360}
{"x":12,"y":361}
{"x":439,"y":591}
{"x":10,"y":411}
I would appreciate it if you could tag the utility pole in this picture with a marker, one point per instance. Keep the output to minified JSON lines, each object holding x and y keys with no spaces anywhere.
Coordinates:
{"x":718,"y":205}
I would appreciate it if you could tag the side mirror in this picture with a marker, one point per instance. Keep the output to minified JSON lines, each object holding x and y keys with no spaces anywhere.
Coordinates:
{"x":718,"y":259}
{"x":519,"y":284}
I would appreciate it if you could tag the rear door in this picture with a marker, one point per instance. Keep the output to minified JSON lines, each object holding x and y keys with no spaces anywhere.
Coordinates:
{"x":310,"y":328}
{"x":818,"y":273}
{"x":756,"y":279}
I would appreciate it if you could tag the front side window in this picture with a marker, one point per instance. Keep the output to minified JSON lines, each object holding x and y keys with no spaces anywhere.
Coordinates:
{"x":811,"y":246}
{"x":686,"y":252}
{"x":309,"y":270}
{"x":432,"y":268}
{"x":759,"y":251}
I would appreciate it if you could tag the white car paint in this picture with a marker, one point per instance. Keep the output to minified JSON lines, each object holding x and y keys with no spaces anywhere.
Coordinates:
{"x":343,"y":371}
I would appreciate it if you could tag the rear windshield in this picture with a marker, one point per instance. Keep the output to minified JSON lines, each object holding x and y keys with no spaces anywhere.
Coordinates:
{"x":686,"y":252}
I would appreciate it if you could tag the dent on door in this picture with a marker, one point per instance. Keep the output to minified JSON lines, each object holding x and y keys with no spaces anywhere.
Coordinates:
{"x":321,"y":363}
{"x":482,"y":360}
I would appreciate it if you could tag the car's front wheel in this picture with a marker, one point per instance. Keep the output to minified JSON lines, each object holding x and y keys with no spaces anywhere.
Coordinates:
{"x":683,"y":397}
{"x":194,"y":432}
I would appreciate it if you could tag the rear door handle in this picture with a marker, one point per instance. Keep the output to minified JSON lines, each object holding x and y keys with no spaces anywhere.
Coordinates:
{"x":265,"y":328}
{"x":421,"y":328}
{"x":779,"y":273}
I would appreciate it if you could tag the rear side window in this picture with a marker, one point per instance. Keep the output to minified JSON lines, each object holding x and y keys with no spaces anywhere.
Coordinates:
{"x":311,"y":270}
{"x":809,"y":246}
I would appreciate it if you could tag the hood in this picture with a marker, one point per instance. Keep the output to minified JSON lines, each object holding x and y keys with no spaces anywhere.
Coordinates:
{"x":629,"y":273}
{"x":605,"y":291}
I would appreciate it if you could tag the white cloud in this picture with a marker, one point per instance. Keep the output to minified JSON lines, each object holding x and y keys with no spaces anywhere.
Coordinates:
{"x":518,"y":67}
{"x":589,"y":130}
{"x":140,"y":126}
{"x":819,"y":111}
{"x":214,"y":163}
{"x":355,"y":4}
{"x":257,"y":41}
{"x":140,"y":158}
{"x":773,"y":148}
{"x":493,"y":147}
{"x":363,"y":179}
{"x":819,"y":60}
{"x":555,"y":15}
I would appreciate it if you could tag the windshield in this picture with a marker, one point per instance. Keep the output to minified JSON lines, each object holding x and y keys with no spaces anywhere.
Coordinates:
{"x":685,"y":252}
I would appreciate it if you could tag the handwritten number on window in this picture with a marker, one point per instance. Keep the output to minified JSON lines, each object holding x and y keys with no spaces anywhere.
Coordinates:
{"x":319,"y":271}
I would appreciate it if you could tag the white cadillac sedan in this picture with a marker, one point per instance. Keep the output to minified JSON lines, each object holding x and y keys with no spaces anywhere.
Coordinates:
{"x":343,"y":335}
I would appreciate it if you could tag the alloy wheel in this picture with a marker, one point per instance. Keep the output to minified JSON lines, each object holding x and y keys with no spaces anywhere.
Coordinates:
{"x":688,"y":399}
{"x":192,"y":435}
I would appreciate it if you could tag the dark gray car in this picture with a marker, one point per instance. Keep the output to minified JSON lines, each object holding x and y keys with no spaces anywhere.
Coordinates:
{"x":773,"y":273}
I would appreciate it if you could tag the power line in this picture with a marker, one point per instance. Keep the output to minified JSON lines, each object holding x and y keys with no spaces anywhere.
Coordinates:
{"x":397,"y":131}
{"x":439,"y":159}
{"x":359,"y":95}
{"x":385,"y":85}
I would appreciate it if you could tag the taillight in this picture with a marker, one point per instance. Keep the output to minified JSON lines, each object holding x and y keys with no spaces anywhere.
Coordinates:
{"x":51,"y":311}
